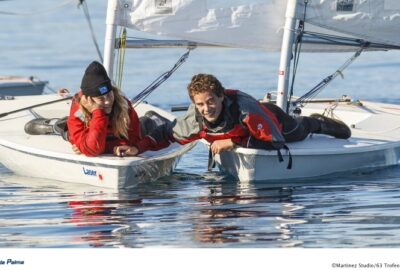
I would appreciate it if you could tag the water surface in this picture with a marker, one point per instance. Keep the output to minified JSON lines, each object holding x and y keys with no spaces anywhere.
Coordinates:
{"x":193,"y":207}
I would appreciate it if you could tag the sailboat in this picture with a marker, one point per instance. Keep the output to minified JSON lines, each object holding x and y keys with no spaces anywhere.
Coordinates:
{"x":50,"y":157}
{"x":18,"y":86}
{"x":285,"y":26}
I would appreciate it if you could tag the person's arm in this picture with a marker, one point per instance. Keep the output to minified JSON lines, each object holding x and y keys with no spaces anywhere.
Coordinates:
{"x":182,"y":130}
{"x":158,"y":139}
{"x":91,"y":139}
{"x":219,"y":146}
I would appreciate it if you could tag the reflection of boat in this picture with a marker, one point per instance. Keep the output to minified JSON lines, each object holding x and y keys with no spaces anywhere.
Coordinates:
{"x":19,"y":86}
{"x":50,"y":157}
{"x":288,"y":26}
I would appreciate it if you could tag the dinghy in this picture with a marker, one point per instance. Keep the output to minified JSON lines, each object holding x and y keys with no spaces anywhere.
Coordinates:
{"x":284,"y":25}
{"x":19,"y":86}
{"x":50,"y":157}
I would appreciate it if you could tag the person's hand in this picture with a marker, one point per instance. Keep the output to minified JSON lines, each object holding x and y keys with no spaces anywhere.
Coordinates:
{"x":76,"y":149}
{"x":125,"y":150}
{"x":63,"y":92}
{"x":89,"y":103}
{"x":222,"y":145}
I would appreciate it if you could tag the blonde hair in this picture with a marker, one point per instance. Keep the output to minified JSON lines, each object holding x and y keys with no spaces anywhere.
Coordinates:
{"x":119,"y":116}
{"x":202,"y":83}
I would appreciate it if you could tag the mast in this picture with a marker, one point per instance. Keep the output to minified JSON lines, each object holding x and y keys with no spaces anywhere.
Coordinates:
{"x":286,"y":54}
{"x":109,"y":43}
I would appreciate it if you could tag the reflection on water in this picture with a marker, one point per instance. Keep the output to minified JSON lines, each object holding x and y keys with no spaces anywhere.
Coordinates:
{"x":188,"y":210}
{"x":193,"y":210}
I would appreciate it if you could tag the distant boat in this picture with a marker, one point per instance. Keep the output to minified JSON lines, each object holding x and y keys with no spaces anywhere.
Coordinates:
{"x":21,"y":86}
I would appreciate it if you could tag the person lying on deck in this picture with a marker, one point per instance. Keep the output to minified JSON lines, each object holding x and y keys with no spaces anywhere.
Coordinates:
{"x":229,"y":118}
{"x":101,"y":119}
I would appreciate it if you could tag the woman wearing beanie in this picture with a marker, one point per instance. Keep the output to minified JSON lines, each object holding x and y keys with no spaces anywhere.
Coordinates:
{"x":101,"y":120}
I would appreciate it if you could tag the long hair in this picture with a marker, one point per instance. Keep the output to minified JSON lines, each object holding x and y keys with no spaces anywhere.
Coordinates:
{"x":119,"y":116}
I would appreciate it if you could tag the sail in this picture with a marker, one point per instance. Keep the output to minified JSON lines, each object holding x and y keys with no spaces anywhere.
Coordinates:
{"x":234,"y":23}
{"x":375,"y":21}
{"x":259,"y":23}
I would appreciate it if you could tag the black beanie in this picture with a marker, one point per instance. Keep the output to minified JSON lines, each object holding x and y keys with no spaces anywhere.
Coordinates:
{"x":95,"y":81}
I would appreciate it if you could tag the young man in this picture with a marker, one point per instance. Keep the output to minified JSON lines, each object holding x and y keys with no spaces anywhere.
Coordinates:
{"x":229,"y":118}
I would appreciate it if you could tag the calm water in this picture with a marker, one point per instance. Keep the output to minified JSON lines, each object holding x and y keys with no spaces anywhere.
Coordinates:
{"x":192,"y":208}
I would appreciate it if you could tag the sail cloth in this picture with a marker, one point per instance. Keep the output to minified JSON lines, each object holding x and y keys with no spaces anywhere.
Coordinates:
{"x":375,"y":21}
{"x":259,"y":23}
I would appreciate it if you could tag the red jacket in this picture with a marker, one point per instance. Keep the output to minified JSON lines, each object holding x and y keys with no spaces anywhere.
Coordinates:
{"x":97,"y":137}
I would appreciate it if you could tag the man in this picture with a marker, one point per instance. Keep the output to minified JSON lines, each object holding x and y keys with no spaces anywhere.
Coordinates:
{"x":230,"y":118}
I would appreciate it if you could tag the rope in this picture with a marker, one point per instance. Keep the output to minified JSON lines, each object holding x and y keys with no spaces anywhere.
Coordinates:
{"x":318,"y":88}
{"x":297,"y":54}
{"x":162,"y":78}
{"x":121,"y":58}
{"x":83,"y":3}
{"x":51,"y":9}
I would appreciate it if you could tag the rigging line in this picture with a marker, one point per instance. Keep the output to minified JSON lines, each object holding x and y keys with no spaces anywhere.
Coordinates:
{"x":51,"y":9}
{"x":121,"y":57}
{"x":297,"y":53}
{"x":84,"y":4}
{"x":141,"y":38}
{"x":346,"y":41}
{"x":295,"y":65}
{"x":321,"y":85}
{"x":334,"y":39}
{"x":160,"y":79}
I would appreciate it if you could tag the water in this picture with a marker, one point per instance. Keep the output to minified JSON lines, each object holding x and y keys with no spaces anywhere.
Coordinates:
{"x":191,"y":208}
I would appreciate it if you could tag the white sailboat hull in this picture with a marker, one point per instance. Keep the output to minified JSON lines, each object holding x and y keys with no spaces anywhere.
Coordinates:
{"x":265,"y":166}
{"x":50,"y":157}
{"x":375,"y":143}
{"x":98,"y":172}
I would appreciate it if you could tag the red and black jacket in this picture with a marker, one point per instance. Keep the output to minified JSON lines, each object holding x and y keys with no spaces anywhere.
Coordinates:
{"x":243,"y":119}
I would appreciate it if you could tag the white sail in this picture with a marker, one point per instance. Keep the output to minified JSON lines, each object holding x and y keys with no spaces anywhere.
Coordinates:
{"x":259,"y":23}
{"x":372,"y":20}
{"x":235,"y":23}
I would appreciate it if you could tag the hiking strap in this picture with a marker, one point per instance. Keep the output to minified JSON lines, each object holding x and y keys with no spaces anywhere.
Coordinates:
{"x":211,"y":160}
{"x":280,"y":157}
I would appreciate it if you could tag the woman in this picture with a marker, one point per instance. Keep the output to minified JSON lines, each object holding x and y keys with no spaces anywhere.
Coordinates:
{"x":101,"y":120}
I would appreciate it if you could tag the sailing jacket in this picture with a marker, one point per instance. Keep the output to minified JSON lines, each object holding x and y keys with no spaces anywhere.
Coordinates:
{"x":244,"y":120}
{"x":97,"y":137}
